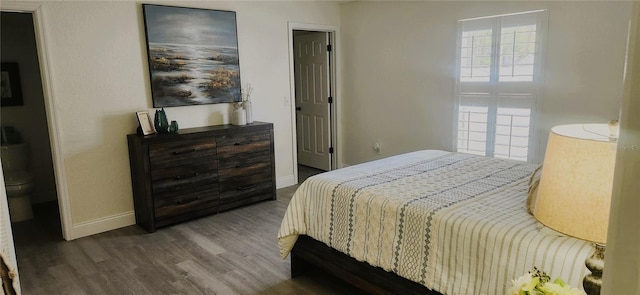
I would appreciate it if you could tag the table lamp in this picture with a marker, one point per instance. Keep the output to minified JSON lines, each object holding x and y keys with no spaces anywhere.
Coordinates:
{"x":574,"y":193}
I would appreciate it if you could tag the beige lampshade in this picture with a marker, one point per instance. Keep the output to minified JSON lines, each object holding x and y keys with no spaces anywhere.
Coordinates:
{"x":574,"y":193}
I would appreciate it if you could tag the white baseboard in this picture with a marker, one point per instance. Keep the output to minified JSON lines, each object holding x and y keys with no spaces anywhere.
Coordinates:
{"x":100,"y":225}
{"x":112,"y":222}
{"x":285,"y":181}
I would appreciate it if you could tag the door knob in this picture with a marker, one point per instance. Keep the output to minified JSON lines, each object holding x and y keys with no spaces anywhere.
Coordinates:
{"x":298,"y":108}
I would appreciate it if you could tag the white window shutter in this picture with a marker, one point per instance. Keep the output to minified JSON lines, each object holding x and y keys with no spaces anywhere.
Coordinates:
{"x":499,"y":67}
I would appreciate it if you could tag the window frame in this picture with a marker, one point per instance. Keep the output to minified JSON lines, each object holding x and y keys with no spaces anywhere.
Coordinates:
{"x":498,"y":93}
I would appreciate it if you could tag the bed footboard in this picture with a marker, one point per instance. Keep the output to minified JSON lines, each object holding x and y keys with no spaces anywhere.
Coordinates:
{"x":309,"y":254}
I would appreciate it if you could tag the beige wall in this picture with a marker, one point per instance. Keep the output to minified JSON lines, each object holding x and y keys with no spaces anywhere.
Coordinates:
{"x":99,"y":78}
{"x":399,"y":68}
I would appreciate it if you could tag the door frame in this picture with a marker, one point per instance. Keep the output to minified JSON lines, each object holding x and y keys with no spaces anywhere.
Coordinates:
{"x":334,"y":108}
{"x":53,"y":124}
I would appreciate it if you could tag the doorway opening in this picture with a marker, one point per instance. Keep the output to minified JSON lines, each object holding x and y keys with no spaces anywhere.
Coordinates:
{"x":314,"y":92}
{"x":27,"y":161}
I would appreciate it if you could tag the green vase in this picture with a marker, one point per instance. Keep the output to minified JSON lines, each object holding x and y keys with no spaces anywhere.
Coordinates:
{"x":160,"y":121}
{"x":156,"y":121}
{"x":173,"y":127}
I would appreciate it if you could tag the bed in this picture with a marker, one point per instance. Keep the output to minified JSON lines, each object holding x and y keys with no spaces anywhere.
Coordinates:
{"x":433,"y":222}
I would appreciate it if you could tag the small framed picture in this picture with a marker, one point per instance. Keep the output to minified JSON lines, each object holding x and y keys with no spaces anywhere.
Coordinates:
{"x":10,"y":88}
{"x":145,"y":122}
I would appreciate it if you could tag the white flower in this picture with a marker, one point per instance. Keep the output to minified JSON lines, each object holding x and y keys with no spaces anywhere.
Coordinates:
{"x":537,"y":282}
{"x":523,"y":284}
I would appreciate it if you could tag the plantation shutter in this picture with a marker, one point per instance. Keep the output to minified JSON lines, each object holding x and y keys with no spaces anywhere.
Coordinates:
{"x":499,"y":73}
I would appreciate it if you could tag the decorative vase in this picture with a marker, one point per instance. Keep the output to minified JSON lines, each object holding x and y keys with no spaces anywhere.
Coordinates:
{"x":238,"y":116}
{"x":156,"y":121}
{"x":248,"y":111}
{"x":173,"y":127}
{"x":160,"y":121}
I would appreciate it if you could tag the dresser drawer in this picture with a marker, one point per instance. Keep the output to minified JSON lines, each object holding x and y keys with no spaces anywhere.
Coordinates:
{"x":171,"y":154}
{"x":204,"y":201}
{"x":242,"y":138}
{"x":248,"y":169}
{"x":245,"y":190}
{"x":185,"y":172}
{"x":172,"y":186}
{"x":256,"y":143}
{"x":244,"y":183}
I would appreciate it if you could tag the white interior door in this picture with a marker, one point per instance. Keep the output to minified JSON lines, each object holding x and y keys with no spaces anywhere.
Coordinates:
{"x":312,"y":85}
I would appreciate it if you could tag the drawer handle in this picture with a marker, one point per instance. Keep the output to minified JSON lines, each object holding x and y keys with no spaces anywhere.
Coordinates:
{"x":238,"y":143}
{"x":187,"y":201}
{"x":188,"y":176}
{"x":184,"y":152}
{"x":246,"y":187}
{"x":244,"y":165}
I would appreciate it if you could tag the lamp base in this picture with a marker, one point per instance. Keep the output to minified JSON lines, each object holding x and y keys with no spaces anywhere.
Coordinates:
{"x":593,"y":281}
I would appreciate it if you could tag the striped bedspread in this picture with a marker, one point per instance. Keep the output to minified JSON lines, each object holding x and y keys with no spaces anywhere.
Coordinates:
{"x":455,"y":223}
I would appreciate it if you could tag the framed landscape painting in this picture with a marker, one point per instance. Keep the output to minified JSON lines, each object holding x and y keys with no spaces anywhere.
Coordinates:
{"x":193,"y":55}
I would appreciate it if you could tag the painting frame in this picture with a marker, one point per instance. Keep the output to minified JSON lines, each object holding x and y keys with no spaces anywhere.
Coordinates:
{"x":10,"y":86}
{"x":192,"y":55}
{"x":146,"y":124}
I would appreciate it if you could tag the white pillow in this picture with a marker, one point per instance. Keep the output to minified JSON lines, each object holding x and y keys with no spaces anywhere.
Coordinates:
{"x":532,"y":193}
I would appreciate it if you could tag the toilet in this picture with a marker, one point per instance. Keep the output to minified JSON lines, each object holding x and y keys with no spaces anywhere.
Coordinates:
{"x":18,"y":181}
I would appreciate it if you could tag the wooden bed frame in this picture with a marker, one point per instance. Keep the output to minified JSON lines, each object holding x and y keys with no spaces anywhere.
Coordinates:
{"x":309,"y":254}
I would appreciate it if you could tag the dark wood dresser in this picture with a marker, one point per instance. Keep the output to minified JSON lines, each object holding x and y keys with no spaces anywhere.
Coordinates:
{"x":200,"y":171}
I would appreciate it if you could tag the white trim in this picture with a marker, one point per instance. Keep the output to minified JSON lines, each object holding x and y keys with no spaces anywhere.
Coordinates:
{"x":19,"y":6}
{"x":623,"y":237}
{"x":286,"y":181}
{"x":50,"y":102}
{"x":336,"y":121}
{"x":499,"y":15}
{"x":103,"y":224}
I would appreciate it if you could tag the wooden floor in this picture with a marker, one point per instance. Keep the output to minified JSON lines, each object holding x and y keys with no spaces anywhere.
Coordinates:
{"x":305,"y":172}
{"x":234,"y":252}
